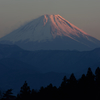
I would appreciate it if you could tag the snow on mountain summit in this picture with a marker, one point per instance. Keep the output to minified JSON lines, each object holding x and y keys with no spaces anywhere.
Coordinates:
{"x":63,"y":27}
{"x":49,"y":28}
{"x":45,"y":27}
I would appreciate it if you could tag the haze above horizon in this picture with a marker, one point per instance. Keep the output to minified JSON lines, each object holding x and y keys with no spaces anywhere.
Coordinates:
{"x":83,"y":14}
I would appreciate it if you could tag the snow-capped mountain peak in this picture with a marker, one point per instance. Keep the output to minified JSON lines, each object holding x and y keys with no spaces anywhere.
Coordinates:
{"x":49,"y":28}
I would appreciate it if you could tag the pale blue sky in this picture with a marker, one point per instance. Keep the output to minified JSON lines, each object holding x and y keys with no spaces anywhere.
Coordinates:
{"x":85,"y":14}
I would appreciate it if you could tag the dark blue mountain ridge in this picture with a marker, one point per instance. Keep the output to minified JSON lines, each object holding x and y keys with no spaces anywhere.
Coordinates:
{"x":42,"y":67}
{"x":55,"y":60}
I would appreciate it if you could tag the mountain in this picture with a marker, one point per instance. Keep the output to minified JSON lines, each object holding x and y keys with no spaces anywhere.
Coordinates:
{"x":59,"y":61}
{"x":51,"y":32}
{"x":42,"y":67}
{"x":14,"y":71}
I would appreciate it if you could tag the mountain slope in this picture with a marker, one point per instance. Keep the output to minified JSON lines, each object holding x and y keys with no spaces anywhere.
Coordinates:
{"x":64,"y":61}
{"x":40,"y":68}
{"x":50,"y":32}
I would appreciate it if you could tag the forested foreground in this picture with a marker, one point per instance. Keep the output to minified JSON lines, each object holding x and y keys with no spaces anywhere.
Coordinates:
{"x":85,"y":88}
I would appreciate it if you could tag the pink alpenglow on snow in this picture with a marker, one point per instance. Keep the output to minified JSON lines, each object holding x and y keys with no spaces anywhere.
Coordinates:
{"x":51,"y":32}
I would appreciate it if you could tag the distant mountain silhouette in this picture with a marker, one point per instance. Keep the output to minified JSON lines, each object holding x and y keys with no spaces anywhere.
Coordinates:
{"x":40,"y":68}
{"x":53,"y":60}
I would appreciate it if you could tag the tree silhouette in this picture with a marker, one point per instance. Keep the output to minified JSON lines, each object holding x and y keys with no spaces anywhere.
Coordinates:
{"x":86,"y":88}
{"x":8,"y":95}
{"x":97,"y":77}
{"x":90,"y":84}
{"x":90,"y":77}
{"x":82,"y":87}
{"x":62,"y":91}
{"x":33,"y":94}
{"x":24,"y":92}
{"x":97,"y":81}
{"x":72,"y":87}
{"x":72,"y":80}
{"x":63,"y":84}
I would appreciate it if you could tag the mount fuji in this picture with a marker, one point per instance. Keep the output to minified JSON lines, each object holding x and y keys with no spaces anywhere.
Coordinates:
{"x":50,"y":32}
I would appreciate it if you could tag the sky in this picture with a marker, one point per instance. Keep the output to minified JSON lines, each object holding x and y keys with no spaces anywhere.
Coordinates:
{"x":85,"y":14}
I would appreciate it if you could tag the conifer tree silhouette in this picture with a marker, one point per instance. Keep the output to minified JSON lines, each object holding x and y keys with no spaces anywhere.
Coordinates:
{"x":33,"y":94}
{"x":8,"y":95}
{"x":97,"y":82}
{"x":63,"y":84}
{"x":97,"y":76}
{"x":90,"y":77}
{"x":90,"y":85}
{"x":24,"y":92}
{"x":72,"y":80}
{"x":72,"y":87}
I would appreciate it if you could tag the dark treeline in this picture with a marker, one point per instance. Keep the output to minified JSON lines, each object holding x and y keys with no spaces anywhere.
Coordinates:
{"x":85,"y":88}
